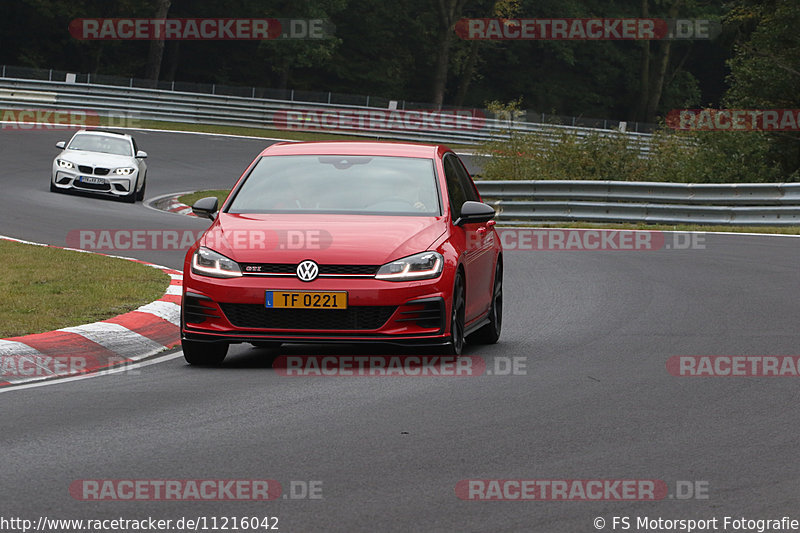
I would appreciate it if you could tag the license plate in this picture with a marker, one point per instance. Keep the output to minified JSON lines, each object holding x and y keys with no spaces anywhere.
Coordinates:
{"x":87,"y":179}
{"x":306,"y":300}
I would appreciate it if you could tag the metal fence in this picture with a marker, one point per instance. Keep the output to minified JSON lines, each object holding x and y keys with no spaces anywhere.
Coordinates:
{"x":300,"y":96}
{"x":444,"y":126}
{"x":517,"y":202}
{"x":745,"y":204}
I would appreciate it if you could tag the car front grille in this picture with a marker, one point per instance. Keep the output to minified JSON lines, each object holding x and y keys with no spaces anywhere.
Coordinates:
{"x":289,"y":269}
{"x":368,"y":317}
{"x":429,"y":314}
{"x":92,"y":186}
{"x":99,"y":171}
{"x":197,"y":309}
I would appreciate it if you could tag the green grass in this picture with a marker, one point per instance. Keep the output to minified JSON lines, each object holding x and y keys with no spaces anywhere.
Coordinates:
{"x":69,"y":288}
{"x":191,"y":198}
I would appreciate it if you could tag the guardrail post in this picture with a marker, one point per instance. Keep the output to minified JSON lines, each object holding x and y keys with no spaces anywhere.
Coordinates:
{"x":291,"y":95}
{"x":50,"y":75}
{"x":213,"y":88}
{"x":173,"y":86}
{"x":367,"y":105}
{"x":4,"y":71}
{"x":329,"y":97}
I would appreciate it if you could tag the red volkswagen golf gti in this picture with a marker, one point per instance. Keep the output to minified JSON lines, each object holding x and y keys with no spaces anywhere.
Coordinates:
{"x":345,"y":242}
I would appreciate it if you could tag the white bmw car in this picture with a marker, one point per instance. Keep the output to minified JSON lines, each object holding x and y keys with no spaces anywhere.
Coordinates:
{"x":103,"y":162}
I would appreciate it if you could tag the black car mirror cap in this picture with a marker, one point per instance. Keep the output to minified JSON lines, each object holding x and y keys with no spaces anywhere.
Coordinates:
{"x":206,"y":207}
{"x":475,"y":213}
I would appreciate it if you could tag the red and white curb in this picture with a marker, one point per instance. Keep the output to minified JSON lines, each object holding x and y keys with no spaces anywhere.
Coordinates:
{"x":174,"y":206}
{"x":80,"y":350}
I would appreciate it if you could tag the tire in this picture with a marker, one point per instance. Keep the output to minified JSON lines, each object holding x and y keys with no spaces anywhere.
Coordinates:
{"x":129,"y":198}
{"x":490,"y":333}
{"x":457,"y":313}
{"x":140,"y":194}
{"x":204,"y":353}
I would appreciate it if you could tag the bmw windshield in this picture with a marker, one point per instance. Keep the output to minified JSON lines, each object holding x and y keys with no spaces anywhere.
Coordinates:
{"x":101,"y":143}
{"x":340,"y":184}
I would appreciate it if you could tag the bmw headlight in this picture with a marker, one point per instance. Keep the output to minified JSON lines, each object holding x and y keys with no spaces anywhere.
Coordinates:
{"x":425,"y":265}
{"x":63,"y":163}
{"x":210,"y":263}
{"x":125,"y":171}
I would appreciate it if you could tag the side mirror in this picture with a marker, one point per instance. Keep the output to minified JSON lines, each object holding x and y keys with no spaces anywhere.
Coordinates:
{"x":206,"y":207}
{"x":475,"y":213}
{"x":141,"y":154}
{"x":61,"y":144}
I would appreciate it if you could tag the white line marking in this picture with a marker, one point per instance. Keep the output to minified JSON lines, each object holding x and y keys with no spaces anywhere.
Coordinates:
{"x":125,"y":368}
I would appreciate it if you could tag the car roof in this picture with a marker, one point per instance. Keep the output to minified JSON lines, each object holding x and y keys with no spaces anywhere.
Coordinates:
{"x":104,"y":133}
{"x":378,"y":148}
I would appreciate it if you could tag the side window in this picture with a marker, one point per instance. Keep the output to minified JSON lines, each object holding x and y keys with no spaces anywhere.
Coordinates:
{"x":463,"y":176}
{"x":455,"y":189}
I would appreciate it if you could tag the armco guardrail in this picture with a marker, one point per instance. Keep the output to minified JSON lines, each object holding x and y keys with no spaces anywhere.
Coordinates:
{"x":447,"y":126}
{"x":516,"y":201}
{"x":745,"y":204}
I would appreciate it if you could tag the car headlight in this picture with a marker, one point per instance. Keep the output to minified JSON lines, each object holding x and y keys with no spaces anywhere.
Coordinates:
{"x":125,"y":171}
{"x":63,"y":163}
{"x":210,"y":263}
{"x":424,"y":265}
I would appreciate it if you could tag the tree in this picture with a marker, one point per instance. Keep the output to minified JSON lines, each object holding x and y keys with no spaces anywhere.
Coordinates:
{"x":765,"y":70}
{"x":449,"y":12}
{"x":156,"y":52}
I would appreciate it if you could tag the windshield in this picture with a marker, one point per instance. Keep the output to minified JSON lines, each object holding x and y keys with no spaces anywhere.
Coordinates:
{"x":101,"y":143}
{"x":340,"y":184}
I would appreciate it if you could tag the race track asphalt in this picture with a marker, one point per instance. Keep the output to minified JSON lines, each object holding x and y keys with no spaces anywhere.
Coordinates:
{"x":594,"y":330}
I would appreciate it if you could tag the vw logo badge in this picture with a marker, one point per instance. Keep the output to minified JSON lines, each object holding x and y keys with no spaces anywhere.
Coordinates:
{"x":307,"y":271}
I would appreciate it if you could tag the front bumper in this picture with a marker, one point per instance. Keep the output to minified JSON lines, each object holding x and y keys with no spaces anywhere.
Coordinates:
{"x":233,"y":310}
{"x":114,"y":185}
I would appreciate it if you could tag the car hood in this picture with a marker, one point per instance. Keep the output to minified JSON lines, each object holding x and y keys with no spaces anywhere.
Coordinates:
{"x":98,"y":159}
{"x":326,"y":239}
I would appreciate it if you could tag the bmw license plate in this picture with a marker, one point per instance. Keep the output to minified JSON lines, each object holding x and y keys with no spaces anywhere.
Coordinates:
{"x":95,"y":181}
{"x":306,"y":300}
